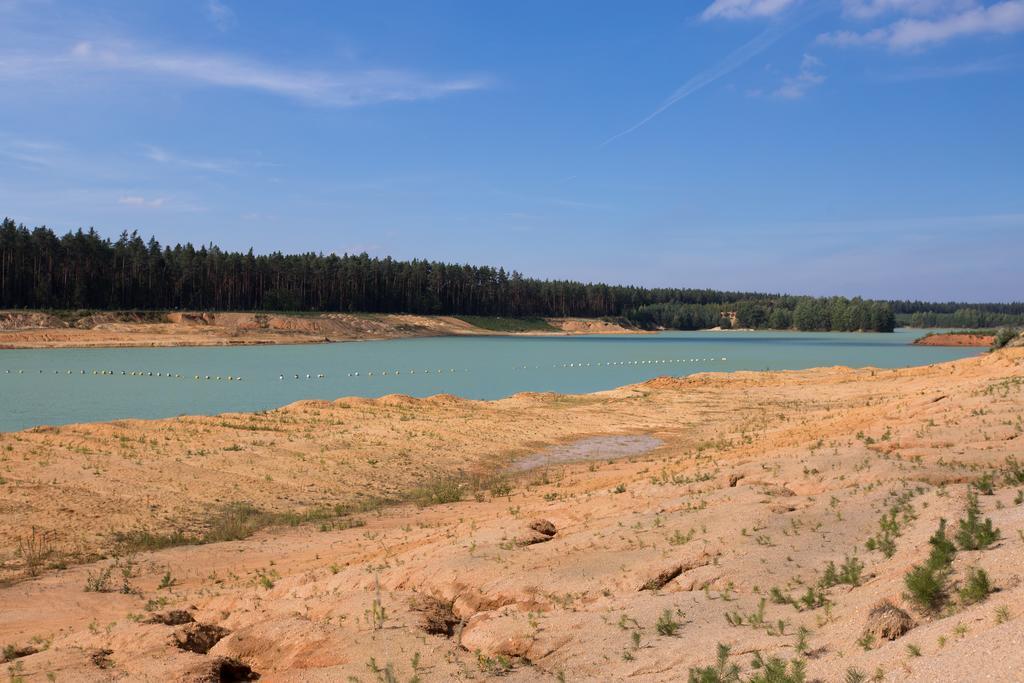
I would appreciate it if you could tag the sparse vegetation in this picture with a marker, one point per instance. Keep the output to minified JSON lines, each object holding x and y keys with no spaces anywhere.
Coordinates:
{"x":890,"y":526}
{"x":926,"y":583}
{"x":766,"y":670}
{"x":973,"y":533}
{"x":849,"y":573}
{"x":666,"y":624}
{"x":976,"y":588}
{"x":1003,"y":337}
{"x":439,"y":492}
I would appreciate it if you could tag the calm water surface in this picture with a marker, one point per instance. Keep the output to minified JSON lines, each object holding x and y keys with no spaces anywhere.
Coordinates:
{"x":35,"y":387}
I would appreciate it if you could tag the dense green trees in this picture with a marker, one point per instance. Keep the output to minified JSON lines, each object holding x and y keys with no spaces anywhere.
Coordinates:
{"x":966,"y":317}
{"x":82,"y":270}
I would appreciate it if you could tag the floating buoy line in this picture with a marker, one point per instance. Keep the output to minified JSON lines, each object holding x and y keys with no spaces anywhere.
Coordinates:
{"x":137,"y":373}
{"x":623,"y":363}
{"x":309,"y":376}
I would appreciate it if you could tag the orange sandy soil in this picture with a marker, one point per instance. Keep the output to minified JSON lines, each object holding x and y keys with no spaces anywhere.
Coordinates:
{"x":557,"y":574}
{"x":954,"y":339}
{"x":35,"y":330}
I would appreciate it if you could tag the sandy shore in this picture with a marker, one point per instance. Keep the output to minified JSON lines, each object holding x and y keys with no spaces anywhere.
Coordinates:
{"x":36,"y":330}
{"x":611,"y":569}
{"x":955,"y":339}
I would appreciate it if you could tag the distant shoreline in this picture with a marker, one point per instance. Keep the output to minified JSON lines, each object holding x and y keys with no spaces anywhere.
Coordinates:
{"x":34,"y":329}
{"x":43,"y":330}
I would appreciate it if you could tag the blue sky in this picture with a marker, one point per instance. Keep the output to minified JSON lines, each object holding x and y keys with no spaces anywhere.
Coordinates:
{"x":867,"y":147}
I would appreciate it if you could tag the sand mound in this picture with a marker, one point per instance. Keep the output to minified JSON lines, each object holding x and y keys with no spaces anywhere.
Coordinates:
{"x":887,"y":621}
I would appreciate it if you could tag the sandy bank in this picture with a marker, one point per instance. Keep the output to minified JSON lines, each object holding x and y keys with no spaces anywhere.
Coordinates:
{"x":617,"y":569}
{"x":28,"y":330}
{"x":955,"y":339}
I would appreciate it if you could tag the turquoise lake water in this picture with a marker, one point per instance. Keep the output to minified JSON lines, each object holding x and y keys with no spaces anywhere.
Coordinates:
{"x":36,"y":387}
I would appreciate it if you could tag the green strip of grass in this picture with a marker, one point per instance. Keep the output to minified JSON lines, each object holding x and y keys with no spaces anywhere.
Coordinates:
{"x":237,"y":521}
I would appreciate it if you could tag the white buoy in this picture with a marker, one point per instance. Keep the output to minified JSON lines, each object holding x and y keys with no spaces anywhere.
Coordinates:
{"x":280,"y":376}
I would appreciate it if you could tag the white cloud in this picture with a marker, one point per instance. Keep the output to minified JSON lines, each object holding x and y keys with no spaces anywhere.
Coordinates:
{"x":30,"y":152}
{"x":918,"y":73}
{"x":162,"y":156}
{"x":220,"y":15}
{"x":1004,"y":17}
{"x":810,"y":76}
{"x":745,"y":9}
{"x":134,"y":200}
{"x":869,"y":9}
{"x":349,"y":89}
{"x":852,"y":38}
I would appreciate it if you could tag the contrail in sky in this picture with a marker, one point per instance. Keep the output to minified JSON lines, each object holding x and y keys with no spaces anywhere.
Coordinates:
{"x":733,"y":61}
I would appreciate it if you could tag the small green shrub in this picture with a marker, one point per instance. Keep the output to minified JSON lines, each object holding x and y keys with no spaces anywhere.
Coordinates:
{"x":985,"y":484}
{"x":1014,"y":472}
{"x":942,"y":549}
{"x":775,"y":670}
{"x":926,"y":588}
{"x":926,"y":583}
{"x":438,"y":492}
{"x":976,"y":588}
{"x":975,"y":534}
{"x":854,"y":675}
{"x":722,"y":671}
{"x":1003,"y":337}
{"x":813,"y":598}
{"x":666,"y":625}
{"x":849,"y":573}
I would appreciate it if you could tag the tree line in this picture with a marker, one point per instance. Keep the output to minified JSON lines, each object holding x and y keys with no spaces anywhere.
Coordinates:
{"x":83,"y":270}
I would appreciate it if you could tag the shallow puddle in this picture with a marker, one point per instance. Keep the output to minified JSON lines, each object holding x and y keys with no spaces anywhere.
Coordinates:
{"x":591,"y":448}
